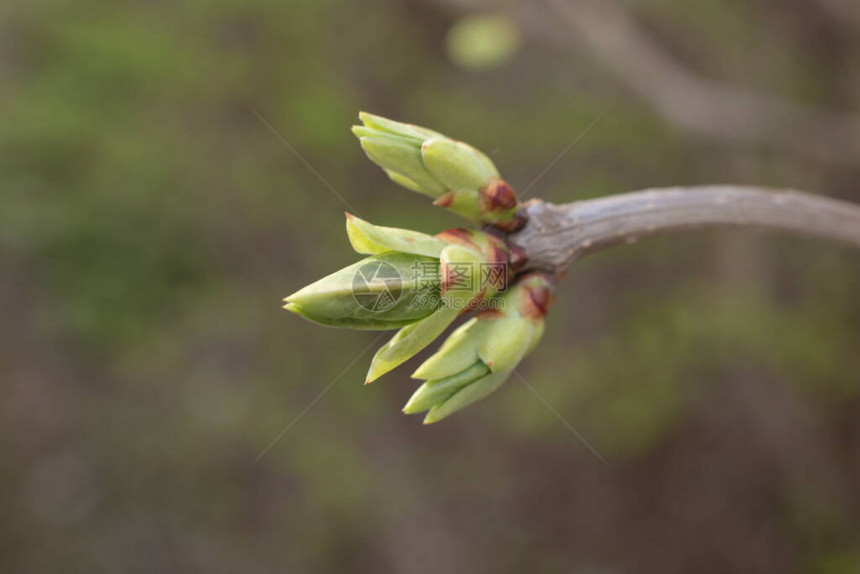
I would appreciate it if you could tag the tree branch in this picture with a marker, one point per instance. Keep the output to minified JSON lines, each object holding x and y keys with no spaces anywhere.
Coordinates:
{"x":557,"y":235}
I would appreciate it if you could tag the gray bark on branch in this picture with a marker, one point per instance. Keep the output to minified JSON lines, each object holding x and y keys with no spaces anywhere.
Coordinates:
{"x":557,"y":235}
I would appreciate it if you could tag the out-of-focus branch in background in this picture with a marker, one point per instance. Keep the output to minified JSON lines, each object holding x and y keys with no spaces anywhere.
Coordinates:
{"x":681,"y":96}
{"x":847,"y":11}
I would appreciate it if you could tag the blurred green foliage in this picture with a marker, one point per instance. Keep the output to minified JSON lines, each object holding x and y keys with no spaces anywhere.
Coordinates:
{"x":483,"y":41}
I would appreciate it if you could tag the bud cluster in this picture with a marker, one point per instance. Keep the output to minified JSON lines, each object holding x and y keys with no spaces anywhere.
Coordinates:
{"x":456,"y":175}
{"x":419,"y":284}
{"x":481,"y":354}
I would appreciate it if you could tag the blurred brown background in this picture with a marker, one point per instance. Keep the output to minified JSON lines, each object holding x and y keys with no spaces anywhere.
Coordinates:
{"x":150,"y":224}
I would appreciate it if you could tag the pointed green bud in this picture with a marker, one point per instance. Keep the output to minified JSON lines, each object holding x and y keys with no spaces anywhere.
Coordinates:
{"x":458,"y":176}
{"x":437,"y":391}
{"x":460,"y":274}
{"x":469,"y":394}
{"x":409,"y":341}
{"x":380,"y":292}
{"x":395,"y":154}
{"x":396,"y":128}
{"x":513,"y":332}
{"x":506,"y":342}
{"x":500,"y":337}
{"x":493,"y":343}
{"x":372,"y":239}
{"x":457,"y":165}
{"x":458,"y":352}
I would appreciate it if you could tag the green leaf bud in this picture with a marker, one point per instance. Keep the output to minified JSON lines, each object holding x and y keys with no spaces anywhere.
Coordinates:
{"x":396,"y":128}
{"x":457,"y":165}
{"x":459,"y":177}
{"x":506,"y":341}
{"x":409,"y":341}
{"x":400,"y":156}
{"x":457,"y":353}
{"x":380,"y":292}
{"x":467,"y":395}
{"x":372,"y":239}
{"x":493,"y":343}
{"x":437,"y":391}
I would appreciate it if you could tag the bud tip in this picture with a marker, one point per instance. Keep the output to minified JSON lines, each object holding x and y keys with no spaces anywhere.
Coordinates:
{"x":445,"y":200}
{"x":410,"y":409}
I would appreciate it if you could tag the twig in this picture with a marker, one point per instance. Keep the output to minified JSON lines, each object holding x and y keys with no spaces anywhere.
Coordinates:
{"x":556,"y":235}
